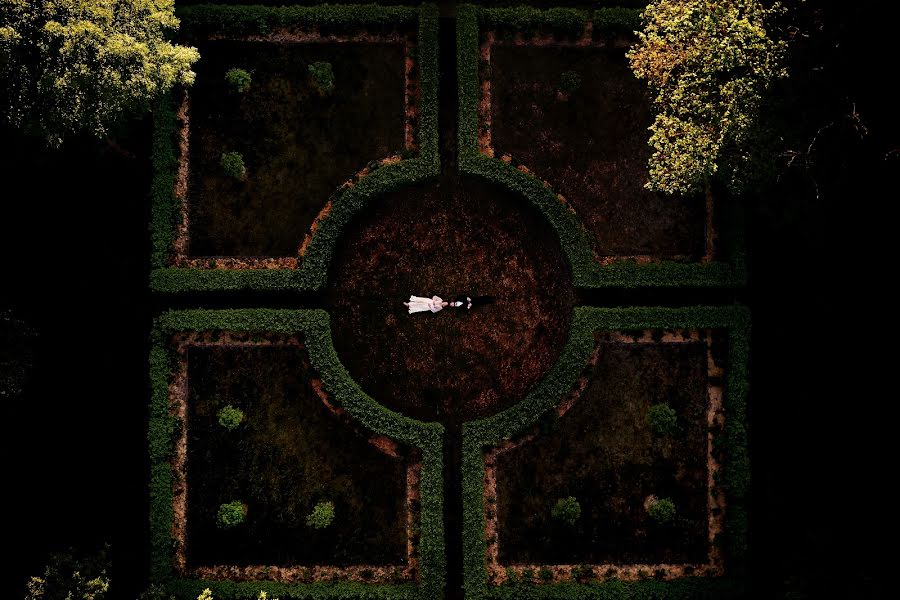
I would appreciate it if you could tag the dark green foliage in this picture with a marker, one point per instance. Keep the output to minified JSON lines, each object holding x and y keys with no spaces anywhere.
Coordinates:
{"x":201,"y":20}
{"x":233,"y":164}
{"x":156,"y":592}
{"x":322,"y":76}
{"x":662,"y":510}
{"x":230,"y":417}
{"x":614,"y":19}
{"x":586,"y":272}
{"x":566,"y":510}
{"x":238,"y":79}
{"x":231,"y":514}
{"x":545,"y":574}
{"x":321,"y":516}
{"x":688,"y":588}
{"x":570,"y":81}
{"x":569,"y":21}
{"x":517,"y":419}
{"x":662,"y":419}
{"x":165,"y":215}
{"x":189,"y":589}
{"x":314,"y":324}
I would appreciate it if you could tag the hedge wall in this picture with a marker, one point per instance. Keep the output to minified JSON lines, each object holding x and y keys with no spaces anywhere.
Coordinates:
{"x":235,"y":20}
{"x":314,"y":324}
{"x":586,"y":272}
{"x":515,"y":420}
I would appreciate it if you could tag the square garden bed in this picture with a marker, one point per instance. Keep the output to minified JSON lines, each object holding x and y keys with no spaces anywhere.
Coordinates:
{"x":293,"y":109}
{"x":548,"y":105}
{"x":637,"y":431}
{"x":269,"y":465}
{"x":625,"y":471}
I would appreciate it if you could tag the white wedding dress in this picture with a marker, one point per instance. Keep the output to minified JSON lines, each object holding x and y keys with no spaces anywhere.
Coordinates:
{"x":420,"y":304}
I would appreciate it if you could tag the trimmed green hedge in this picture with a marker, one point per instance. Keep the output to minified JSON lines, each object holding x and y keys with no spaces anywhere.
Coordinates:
{"x":576,"y":243}
{"x":313,"y":273}
{"x":314,"y":324}
{"x":688,"y":588}
{"x":206,"y":19}
{"x":515,"y":420}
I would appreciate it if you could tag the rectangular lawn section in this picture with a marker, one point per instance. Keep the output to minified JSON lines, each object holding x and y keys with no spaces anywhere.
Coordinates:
{"x":603,"y":452}
{"x":290,"y":452}
{"x":590,"y":143}
{"x":298,"y":145}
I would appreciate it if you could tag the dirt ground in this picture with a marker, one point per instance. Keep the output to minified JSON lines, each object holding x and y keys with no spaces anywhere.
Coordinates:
{"x":454,"y":238}
{"x":290,"y":453}
{"x":604,"y":453}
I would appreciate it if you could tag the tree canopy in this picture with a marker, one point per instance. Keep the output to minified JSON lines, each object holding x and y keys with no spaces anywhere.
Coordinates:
{"x":69,"y":66}
{"x":710,"y":64}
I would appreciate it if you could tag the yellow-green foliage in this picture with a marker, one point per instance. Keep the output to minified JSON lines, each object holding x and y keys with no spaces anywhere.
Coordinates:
{"x":71,"y":577}
{"x":709,"y":64}
{"x":68,"y":66}
{"x":208,"y":595}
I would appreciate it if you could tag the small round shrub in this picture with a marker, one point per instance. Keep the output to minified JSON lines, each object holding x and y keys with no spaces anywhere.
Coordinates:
{"x":662,"y":419}
{"x":238,"y":80}
{"x":662,"y":510}
{"x":322,"y":76}
{"x":321,"y":516}
{"x":231,"y":514}
{"x":230,"y":417}
{"x":545,"y":574}
{"x":567,"y":510}
{"x":570,"y":82}
{"x":233,"y":164}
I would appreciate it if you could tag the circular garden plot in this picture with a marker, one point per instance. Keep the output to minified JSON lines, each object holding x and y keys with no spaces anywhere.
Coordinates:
{"x":462,"y":237}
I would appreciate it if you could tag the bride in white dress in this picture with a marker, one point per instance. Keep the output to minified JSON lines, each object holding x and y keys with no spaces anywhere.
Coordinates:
{"x":420,"y":304}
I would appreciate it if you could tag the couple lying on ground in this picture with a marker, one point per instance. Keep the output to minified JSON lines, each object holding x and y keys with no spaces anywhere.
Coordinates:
{"x":435,"y":303}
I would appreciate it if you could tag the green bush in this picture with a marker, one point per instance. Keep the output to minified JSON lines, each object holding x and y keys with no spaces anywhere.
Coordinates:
{"x":570,"y":82}
{"x":545,"y":574}
{"x":231,"y":514}
{"x":233,"y":164}
{"x":567,"y":510}
{"x":663,"y":419}
{"x":662,"y":510}
{"x":238,"y":80}
{"x":71,"y":576}
{"x":156,"y":592}
{"x":322,"y":76}
{"x":230,"y":417}
{"x":321,"y":516}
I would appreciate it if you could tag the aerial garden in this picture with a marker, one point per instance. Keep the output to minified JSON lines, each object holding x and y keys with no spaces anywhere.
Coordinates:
{"x":579,"y":430}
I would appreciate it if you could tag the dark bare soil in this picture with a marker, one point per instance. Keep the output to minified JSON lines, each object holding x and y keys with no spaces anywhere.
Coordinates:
{"x":298,"y":146}
{"x":604,"y":453}
{"x":289,"y":453}
{"x":591,"y":145}
{"x":455,"y":238}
